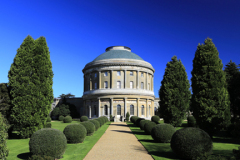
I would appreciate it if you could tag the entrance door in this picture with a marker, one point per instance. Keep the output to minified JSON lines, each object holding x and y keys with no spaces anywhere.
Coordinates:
{"x":118,"y":110}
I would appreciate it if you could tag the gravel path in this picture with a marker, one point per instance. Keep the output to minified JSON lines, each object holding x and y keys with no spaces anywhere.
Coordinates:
{"x":118,"y":143}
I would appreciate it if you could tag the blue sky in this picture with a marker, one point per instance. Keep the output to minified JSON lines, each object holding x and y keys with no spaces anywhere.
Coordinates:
{"x":78,"y":31}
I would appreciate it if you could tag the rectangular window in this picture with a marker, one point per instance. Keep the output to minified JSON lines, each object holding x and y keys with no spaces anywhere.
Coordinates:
{"x":142,"y":85}
{"x":105,"y":84}
{"x":95,"y":75}
{"x":141,"y":74}
{"x":95,"y":85}
{"x":118,"y":84}
{"x":131,"y":73}
{"x":118,"y":73}
{"x":131,"y":84}
{"x":106,"y":74}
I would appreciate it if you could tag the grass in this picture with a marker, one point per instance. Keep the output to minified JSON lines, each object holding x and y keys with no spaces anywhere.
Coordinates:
{"x":162,"y":151}
{"x":19,"y":148}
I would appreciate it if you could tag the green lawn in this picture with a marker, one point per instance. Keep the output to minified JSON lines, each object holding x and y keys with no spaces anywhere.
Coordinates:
{"x":19,"y":148}
{"x":162,"y":151}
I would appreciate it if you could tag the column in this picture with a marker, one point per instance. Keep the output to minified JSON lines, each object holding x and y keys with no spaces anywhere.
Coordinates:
{"x":99,"y":80}
{"x":125,"y":106}
{"x":152,"y":84}
{"x":137,"y":79}
{"x":99,"y":106}
{"x":138,"y":107}
{"x":124,"y":79}
{"x":111,"y":79}
{"x":147,"y":80}
{"x":152,"y":108}
{"x":147,"y":111}
{"x":89,"y":111}
{"x":111,"y":106}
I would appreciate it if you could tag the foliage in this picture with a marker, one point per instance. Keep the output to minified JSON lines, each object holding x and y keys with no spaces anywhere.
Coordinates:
{"x":236,"y":153}
{"x":155,"y":119}
{"x":96,"y":124}
{"x":72,"y":108}
{"x":30,"y":83}
{"x":104,"y":118}
{"x":142,"y":123}
{"x":190,"y":142}
{"x":55,"y":112}
{"x":149,"y":126}
{"x":61,"y":118}
{"x":137,"y":123}
{"x":3,"y":138}
{"x":49,"y":119}
{"x":163,"y":133}
{"x":174,"y":93}
{"x":39,"y":157}
{"x":83,"y":118}
{"x":67,"y":119}
{"x":75,"y":133}
{"x":48,"y":125}
{"x":111,"y":118}
{"x":100,"y":121}
{"x":69,"y":95}
{"x":127,"y":116}
{"x":64,"y":110}
{"x":210,"y":99}
{"x":191,"y":121}
{"x":5,"y":103}
{"x":233,"y":87}
{"x":133,"y":119}
{"x":90,"y":127}
{"x":49,"y":142}
{"x":233,"y":129}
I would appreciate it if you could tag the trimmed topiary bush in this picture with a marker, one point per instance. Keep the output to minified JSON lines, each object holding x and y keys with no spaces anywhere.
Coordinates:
{"x":127,"y":116}
{"x":90,"y":127}
{"x":133,"y":119}
{"x":149,"y":126}
{"x":67,"y":119}
{"x":155,"y":119}
{"x":75,"y":133}
{"x":142,"y":123}
{"x":38,"y":157}
{"x":163,"y":133}
{"x":100,"y":121}
{"x":83,"y":118}
{"x":191,"y":121}
{"x":103,"y":119}
{"x":138,"y":121}
{"x":49,"y":119}
{"x":48,"y":125}
{"x":49,"y":142}
{"x":96,"y":124}
{"x":190,"y":142}
{"x":61,"y":118}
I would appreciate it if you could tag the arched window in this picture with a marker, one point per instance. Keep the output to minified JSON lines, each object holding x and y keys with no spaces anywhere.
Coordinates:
{"x":105,"y":109}
{"x":131,"y":110}
{"x":118,"y":109}
{"x":142,"y":110}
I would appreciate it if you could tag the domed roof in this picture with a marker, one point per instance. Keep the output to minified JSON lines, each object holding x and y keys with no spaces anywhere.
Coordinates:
{"x":118,"y":52}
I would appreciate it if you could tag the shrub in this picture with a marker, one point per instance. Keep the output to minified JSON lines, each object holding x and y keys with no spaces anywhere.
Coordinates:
{"x":127,"y":116}
{"x":111,"y":118}
{"x":236,"y":153}
{"x":49,"y":119}
{"x":190,"y":142}
{"x":149,"y":126}
{"x":162,"y":133}
{"x":134,"y":118}
{"x":96,"y":124}
{"x":142,"y":123}
{"x":75,"y":133}
{"x":83,"y":118}
{"x":100,"y":121}
{"x":64,"y":110}
{"x":61,"y":118}
{"x":233,"y":130}
{"x":90,"y":127}
{"x":191,"y":121}
{"x":67,"y":119}
{"x":155,"y":119}
{"x":55,"y":112}
{"x":39,"y":157}
{"x":137,"y":123}
{"x":49,"y":142}
{"x":103,"y":119}
{"x":3,"y":138}
{"x":48,"y":125}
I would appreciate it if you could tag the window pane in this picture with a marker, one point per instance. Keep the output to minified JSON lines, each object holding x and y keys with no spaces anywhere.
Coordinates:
{"x":131,"y":84}
{"x":105,"y":109}
{"x":105,"y":84}
{"x":106,"y":74}
{"x":131,"y":73}
{"x":142,"y":110}
{"x":131,"y":110}
{"x":118,"y":73}
{"x":118,"y":110}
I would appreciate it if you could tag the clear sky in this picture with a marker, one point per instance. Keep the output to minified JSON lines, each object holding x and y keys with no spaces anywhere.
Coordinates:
{"x":78,"y":31}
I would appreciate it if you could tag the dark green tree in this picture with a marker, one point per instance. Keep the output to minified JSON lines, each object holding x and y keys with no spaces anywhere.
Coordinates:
{"x":72,"y":108}
{"x":232,"y":79}
{"x":69,"y":95}
{"x":5,"y":103}
{"x":210,"y":99}
{"x":174,"y":93}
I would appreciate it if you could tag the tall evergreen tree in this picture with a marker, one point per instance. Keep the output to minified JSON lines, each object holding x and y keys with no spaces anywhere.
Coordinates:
{"x":232,"y":78}
{"x":174,"y":93}
{"x":210,"y":99}
{"x":23,"y":114}
{"x":5,"y":103}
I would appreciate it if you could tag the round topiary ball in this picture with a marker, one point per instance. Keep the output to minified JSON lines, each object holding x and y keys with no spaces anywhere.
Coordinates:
{"x":67,"y":119}
{"x":60,"y":118}
{"x":49,"y":119}
{"x":134,"y":118}
{"x":90,"y":127}
{"x":155,"y":119}
{"x":83,"y":118}
{"x":48,"y":125}
{"x":75,"y":133}
{"x":142,"y":123}
{"x":163,"y":133}
{"x":138,"y":121}
{"x":191,"y":121}
{"x":100,"y":121}
{"x":190,"y":142}
{"x":49,"y":142}
{"x":149,"y":126}
{"x":96,"y":124}
{"x":131,"y":118}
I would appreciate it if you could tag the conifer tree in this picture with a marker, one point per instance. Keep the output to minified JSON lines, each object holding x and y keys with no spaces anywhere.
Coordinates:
{"x":210,"y":99}
{"x":5,"y":103}
{"x":174,"y":93}
{"x":232,"y":72}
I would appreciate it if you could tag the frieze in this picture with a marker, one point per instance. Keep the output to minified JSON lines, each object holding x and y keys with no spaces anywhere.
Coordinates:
{"x":131,"y":101}
{"x":118,"y":101}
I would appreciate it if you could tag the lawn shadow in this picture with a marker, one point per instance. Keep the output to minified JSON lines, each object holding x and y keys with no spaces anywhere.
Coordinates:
{"x":226,"y":140}
{"x":24,"y":155}
{"x":14,"y":136}
{"x":147,"y":140}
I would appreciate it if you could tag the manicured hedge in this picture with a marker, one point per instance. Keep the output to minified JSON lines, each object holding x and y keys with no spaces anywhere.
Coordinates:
{"x":90,"y":127}
{"x":155,"y":119}
{"x":100,"y":121}
{"x":96,"y":124}
{"x":75,"y":133}
{"x":149,"y":126}
{"x":163,"y":133}
{"x":67,"y":119}
{"x":49,"y":142}
{"x":133,"y":119}
{"x":138,"y":121}
{"x":191,"y":142}
{"x":142,"y":123}
{"x":60,"y":118}
{"x":83,"y":118}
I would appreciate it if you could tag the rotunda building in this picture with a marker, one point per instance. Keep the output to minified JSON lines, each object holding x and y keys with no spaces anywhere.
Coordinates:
{"x":116,"y":82}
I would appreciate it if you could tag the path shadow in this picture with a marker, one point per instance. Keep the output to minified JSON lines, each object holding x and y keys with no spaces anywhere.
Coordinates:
{"x":123,"y":131}
{"x":120,"y":125}
{"x":24,"y":155}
